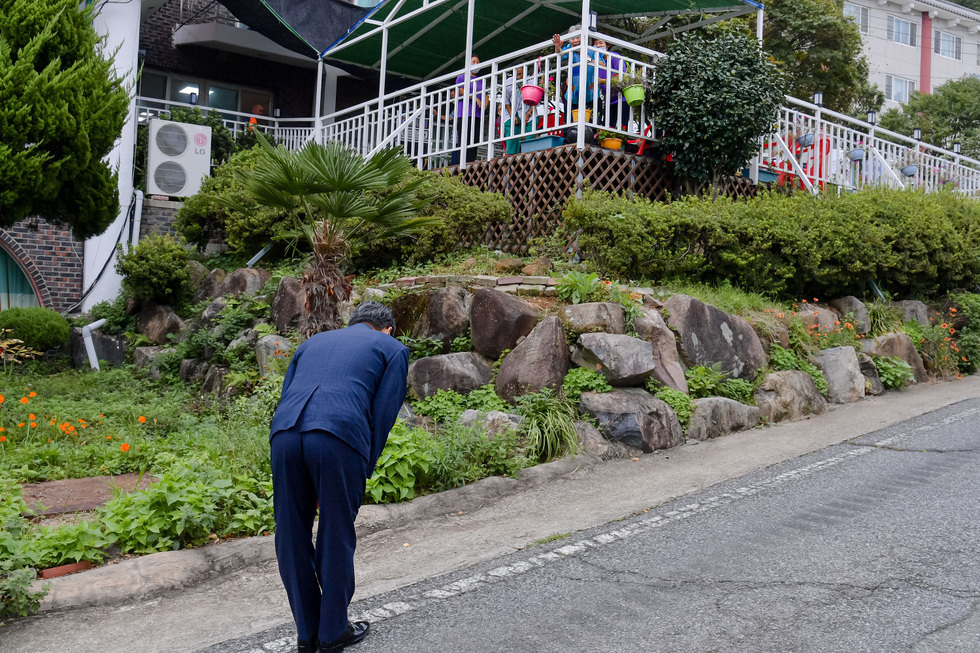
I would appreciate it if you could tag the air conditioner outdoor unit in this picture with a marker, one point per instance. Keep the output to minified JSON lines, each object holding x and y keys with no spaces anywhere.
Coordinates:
{"x":179,"y":158}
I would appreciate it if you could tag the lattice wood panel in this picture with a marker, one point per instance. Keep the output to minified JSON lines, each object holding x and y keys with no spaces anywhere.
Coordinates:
{"x":539,"y":185}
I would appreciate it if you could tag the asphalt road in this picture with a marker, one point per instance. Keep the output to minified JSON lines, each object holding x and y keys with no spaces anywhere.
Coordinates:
{"x":870,"y":545}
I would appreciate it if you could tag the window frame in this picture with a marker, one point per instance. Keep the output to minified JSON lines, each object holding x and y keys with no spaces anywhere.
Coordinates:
{"x":957,"y":45}
{"x":892,"y":32}
{"x":910,"y":88}
{"x":862,"y":18}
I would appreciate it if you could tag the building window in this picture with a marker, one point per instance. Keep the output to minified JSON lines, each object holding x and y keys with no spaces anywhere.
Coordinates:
{"x":902,"y":31}
{"x":947,"y":45}
{"x":15,"y":289}
{"x":861,"y":16}
{"x":898,"y":89}
{"x":227,"y":97}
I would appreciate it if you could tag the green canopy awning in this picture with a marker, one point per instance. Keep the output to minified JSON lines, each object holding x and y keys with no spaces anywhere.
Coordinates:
{"x":428,"y":37}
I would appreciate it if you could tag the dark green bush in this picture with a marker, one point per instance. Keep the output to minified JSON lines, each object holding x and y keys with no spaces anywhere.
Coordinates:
{"x":466,"y":211}
{"x":203,"y":219}
{"x":911,"y":243}
{"x":39,"y":328}
{"x":117,"y":320}
{"x":156,"y":269}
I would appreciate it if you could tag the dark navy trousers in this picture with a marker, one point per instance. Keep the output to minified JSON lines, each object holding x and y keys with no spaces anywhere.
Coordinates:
{"x":309,"y":468}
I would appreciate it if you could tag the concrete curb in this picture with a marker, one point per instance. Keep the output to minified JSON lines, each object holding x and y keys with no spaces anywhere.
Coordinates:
{"x":136,"y":579}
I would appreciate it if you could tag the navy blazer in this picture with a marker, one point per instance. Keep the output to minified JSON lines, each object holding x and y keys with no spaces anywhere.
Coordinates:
{"x":350,"y":382}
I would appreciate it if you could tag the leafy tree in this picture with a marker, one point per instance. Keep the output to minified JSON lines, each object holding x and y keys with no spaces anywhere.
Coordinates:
{"x":61,"y":109}
{"x":951,"y":113}
{"x":326,"y":195}
{"x":970,"y":4}
{"x":714,"y":96}
{"x":820,"y":50}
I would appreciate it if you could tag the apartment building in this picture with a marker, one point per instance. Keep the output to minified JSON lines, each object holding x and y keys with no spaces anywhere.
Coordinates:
{"x":916,"y":45}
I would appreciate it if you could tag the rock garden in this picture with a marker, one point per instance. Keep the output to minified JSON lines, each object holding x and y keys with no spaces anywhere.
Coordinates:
{"x":638,"y":327}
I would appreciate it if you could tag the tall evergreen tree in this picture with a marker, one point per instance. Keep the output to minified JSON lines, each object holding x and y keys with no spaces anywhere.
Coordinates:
{"x":61,"y":109}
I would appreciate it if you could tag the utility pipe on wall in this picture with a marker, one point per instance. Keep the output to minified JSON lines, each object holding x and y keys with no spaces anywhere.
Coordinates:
{"x":89,"y":345}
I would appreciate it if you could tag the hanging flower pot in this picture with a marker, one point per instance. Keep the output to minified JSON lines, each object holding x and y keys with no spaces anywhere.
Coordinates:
{"x":532,"y":94}
{"x":806,"y":140}
{"x":911,"y":170}
{"x":856,"y":154}
{"x":634,"y":95}
{"x":588,"y":115}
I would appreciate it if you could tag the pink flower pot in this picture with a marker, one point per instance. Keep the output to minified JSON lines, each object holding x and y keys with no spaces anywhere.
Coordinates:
{"x":532,"y":94}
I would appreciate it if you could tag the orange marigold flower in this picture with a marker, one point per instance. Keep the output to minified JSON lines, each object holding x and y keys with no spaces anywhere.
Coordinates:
{"x":2,"y":429}
{"x":31,"y":416}
{"x":49,"y":439}
{"x":945,"y":326}
{"x":959,"y":376}
{"x":836,"y":322}
{"x":20,"y":425}
{"x":71,"y":429}
{"x":125,"y":446}
{"x":33,"y":425}
{"x":142,"y":420}
{"x":3,"y":438}
{"x":816,"y":313}
{"x":51,"y":423}
{"x":24,"y":400}
{"x":952,"y":310}
{"x":804,"y":301}
{"x":108,"y":437}
{"x":952,"y":330}
{"x":964,"y":358}
{"x":815,"y":299}
{"x":33,"y":394}
{"x":1,"y":399}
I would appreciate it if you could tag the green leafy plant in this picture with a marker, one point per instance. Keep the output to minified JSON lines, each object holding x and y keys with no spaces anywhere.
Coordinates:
{"x":737,"y":389}
{"x":704,"y":381}
{"x":39,"y":328}
{"x":446,"y":406}
{"x":117,"y":320}
{"x":884,"y":319}
{"x":577,"y":287}
{"x":894,"y":372}
{"x":784,"y":359}
{"x":549,"y":424}
{"x":462,"y":343}
{"x":464,"y":454}
{"x":406,"y":456}
{"x":156,"y":269}
{"x":582,"y":379}
{"x":421,"y":347}
{"x":682,"y":404}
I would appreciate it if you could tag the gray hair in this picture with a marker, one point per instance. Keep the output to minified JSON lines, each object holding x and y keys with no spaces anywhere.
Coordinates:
{"x":377,"y":315}
{"x":573,"y":28}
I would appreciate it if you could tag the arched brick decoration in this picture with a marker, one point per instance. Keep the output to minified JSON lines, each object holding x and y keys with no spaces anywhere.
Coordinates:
{"x":27,"y":266}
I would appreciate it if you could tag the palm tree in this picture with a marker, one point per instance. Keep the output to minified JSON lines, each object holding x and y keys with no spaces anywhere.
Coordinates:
{"x":331,"y":197}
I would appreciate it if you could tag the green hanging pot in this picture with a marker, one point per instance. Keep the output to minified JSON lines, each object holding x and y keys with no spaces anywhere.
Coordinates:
{"x":634,"y":95}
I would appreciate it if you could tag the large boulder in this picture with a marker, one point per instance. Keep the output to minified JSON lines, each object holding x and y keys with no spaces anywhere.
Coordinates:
{"x":212,"y":311}
{"x":872,"y":382}
{"x":157,"y":321}
{"x":717,"y":416}
{"x":509,"y":265}
{"x":147,"y":357}
{"x":913,"y":310}
{"x":708,"y":335}
{"x":211,"y":286}
{"x":214,"y":380}
{"x":841,"y":368}
{"x":635,"y":418}
{"x":591,"y":441}
{"x":196,"y":272}
{"x":540,"y":361}
{"x":193,"y":370}
{"x":668,"y":370}
{"x":244,"y":281}
{"x":288,"y":305}
{"x":269,"y":348}
{"x":498,"y":321}
{"x":623,"y":360}
{"x":597,"y":316}
{"x":851,"y":304}
{"x":441,"y":314}
{"x":823,"y":320}
{"x":109,"y":349}
{"x":900,"y":345}
{"x":461,"y":372}
{"x":788,"y":395}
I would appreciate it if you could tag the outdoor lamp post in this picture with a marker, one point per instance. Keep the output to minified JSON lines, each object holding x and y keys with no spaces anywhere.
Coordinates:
{"x":917,"y":134}
{"x":957,"y":147}
{"x":275,"y":112}
{"x":818,"y":98}
{"x":872,"y":116}
{"x":194,"y":98}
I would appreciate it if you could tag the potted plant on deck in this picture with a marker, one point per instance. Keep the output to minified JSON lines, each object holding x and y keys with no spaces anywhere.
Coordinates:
{"x":909,"y":162}
{"x":610,"y":140}
{"x":632,"y":86}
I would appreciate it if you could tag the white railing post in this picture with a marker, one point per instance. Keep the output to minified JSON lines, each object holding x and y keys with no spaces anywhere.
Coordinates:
{"x":583,"y":71}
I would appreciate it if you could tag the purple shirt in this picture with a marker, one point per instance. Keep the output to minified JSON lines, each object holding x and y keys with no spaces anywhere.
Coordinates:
{"x":476,"y":97}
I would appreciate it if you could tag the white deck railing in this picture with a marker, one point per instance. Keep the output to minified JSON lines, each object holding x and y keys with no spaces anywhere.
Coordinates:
{"x":810,"y":147}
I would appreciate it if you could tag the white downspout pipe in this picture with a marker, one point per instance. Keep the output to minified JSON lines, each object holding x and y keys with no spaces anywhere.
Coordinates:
{"x":583,"y":68}
{"x":89,"y":345}
{"x":137,"y":218}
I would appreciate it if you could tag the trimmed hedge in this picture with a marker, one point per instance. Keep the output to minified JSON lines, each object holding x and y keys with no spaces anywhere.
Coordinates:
{"x":40,"y":328}
{"x":911,"y":243}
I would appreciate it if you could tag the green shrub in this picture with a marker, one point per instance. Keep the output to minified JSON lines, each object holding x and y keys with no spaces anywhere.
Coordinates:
{"x":737,"y":389}
{"x":549,"y":424}
{"x":464,"y":454}
{"x":446,"y":406}
{"x":894,"y":372}
{"x":578,"y":287}
{"x":40,"y":328}
{"x":156,"y":269}
{"x":910,"y":242}
{"x":582,"y":379}
{"x":704,"y":381}
{"x":204,"y":218}
{"x":682,"y":404}
{"x":784,"y":359}
{"x":968,"y":339}
{"x":421,"y":347}
{"x":465,"y":210}
{"x":117,"y":320}
{"x":16,"y":575}
{"x":407,"y":455}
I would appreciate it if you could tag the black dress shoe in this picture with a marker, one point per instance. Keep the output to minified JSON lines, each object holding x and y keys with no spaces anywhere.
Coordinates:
{"x":355,"y":632}
{"x":303,"y":646}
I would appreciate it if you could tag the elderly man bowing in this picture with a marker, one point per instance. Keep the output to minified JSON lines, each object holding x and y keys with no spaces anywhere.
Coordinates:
{"x":340,"y":398}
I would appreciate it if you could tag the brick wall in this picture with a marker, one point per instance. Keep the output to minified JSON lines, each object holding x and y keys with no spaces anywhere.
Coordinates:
{"x":158,"y":218}
{"x":293,"y":88}
{"x":52,"y":259}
